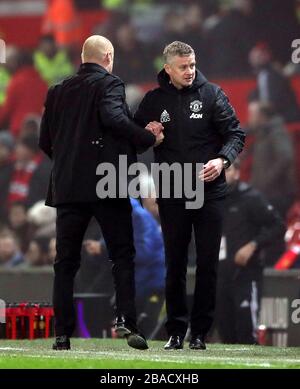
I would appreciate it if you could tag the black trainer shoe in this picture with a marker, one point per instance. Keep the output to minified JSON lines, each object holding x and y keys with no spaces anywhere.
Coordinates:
{"x":134,"y":338}
{"x":175,"y":343}
{"x":197,"y":342}
{"x":62,"y":343}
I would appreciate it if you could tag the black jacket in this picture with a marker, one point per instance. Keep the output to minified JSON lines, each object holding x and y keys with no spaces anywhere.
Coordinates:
{"x":86,"y":122}
{"x":247,"y":217}
{"x":199,"y":125}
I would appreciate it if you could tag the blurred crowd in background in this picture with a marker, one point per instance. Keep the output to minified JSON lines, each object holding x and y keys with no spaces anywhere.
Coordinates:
{"x":233,"y":39}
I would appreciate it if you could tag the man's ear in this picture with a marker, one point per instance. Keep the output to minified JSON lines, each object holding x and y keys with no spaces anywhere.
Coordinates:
{"x":167,"y":68}
{"x":106,"y":58}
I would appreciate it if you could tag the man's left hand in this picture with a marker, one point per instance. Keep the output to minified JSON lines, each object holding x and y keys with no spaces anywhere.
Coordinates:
{"x":211,"y":170}
{"x":245,"y":253}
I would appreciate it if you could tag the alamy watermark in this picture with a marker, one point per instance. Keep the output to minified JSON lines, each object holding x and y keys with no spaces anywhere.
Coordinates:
{"x":2,"y":51}
{"x":2,"y":312}
{"x":176,"y":181}
{"x":296,"y":52}
{"x":296,"y":312}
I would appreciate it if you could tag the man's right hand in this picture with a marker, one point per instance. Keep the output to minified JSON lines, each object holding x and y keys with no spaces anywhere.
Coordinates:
{"x":155,"y":127}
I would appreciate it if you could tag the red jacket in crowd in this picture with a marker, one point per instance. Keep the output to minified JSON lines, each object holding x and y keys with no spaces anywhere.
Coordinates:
{"x":26,"y":94}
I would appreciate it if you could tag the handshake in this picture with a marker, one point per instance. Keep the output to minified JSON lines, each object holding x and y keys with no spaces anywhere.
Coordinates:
{"x":157,"y":129}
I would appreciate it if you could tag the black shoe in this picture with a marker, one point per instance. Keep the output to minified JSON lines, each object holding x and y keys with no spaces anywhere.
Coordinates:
{"x":197,"y":343}
{"x":134,"y":338}
{"x":174,"y":343}
{"x":137,"y":340}
{"x":62,"y":343}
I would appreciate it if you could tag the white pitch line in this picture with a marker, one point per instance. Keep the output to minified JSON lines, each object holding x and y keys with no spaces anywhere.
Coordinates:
{"x":152,"y":357}
{"x":225,"y":362}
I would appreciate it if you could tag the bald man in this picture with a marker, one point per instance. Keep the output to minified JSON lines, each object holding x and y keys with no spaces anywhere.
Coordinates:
{"x":86,"y":122}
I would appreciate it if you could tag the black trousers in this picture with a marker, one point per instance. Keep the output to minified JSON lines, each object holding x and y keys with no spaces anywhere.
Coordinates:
{"x":177,"y":224}
{"x":237,"y":309}
{"x":114,"y":217}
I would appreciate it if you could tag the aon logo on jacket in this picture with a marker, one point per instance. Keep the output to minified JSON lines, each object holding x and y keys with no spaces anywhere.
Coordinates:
{"x":196,"y":116}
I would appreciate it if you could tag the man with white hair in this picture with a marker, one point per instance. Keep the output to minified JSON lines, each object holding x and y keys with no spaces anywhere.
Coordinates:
{"x":200,"y":126}
{"x":87,"y":122}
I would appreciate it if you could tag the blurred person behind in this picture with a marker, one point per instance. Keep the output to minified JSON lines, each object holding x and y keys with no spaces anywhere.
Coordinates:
{"x":230,"y":40}
{"x":17,"y":222}
{"x":250,"y":224}
{"x":272,"y":85}
{"x":37,"y":253}
{"x":30,"y":174}
{"x":273,"y":169}
{"x":6,"y":169}
{"x":30,"y":125}
{"x":26,"y":91}
{"x":10,"y":254}
{"x":133,"y":60}
{"x":42,"y":220}
{"x":62,"y":20}
{"x":291,"y":257}
{"x":194,"y":34}
{"x":52,"y":63}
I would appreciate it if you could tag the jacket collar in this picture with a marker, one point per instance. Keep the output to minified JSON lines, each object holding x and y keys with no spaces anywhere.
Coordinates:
{"x":89,"y":67}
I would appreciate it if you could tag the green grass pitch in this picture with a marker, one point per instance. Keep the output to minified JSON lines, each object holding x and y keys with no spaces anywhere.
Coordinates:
{"x":115,"y":354}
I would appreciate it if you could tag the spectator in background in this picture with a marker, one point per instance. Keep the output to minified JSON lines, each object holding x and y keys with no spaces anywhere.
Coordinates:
{"x":174,"y":26}
{"x":10,"y":255}
{"x":291,"y":257}
{"x":6,"y":168}
{"x":231,"y":40}
{"x":30,"y":174}
{"x":17,"y":222}
{"x":62,"y":20}
{"x":272,"y":86}
{"x":52,"y":63}
{"x":273,"y":169}
{"x":37,"y":253}
{"x":194,"y":33}
{"x":249,"y":225}
{"x":42,"y":220}
{"x":133,"y":62}
{"x":30,"y":125}
{"x":26,"y":91}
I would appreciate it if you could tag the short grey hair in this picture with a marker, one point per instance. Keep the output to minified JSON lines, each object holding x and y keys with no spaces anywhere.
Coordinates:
{"x":177,"y":48}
